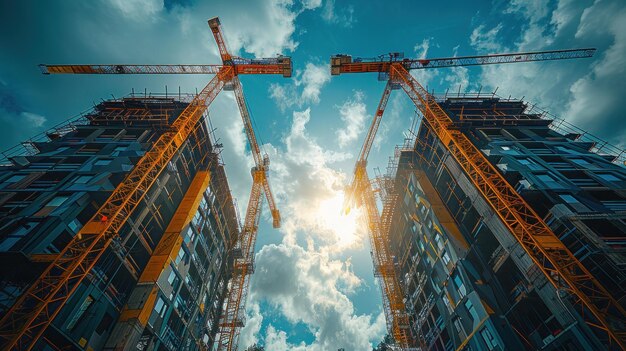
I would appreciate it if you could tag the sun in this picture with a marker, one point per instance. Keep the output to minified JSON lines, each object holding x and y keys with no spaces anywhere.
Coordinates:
{"x":344,"y":226}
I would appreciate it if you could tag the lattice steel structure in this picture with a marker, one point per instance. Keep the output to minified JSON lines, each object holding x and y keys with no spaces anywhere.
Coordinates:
{"x":33,"y":312}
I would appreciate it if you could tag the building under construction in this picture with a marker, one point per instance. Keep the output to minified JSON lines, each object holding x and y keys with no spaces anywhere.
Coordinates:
{"x":161,"y":281}
{"x":470,"y":283}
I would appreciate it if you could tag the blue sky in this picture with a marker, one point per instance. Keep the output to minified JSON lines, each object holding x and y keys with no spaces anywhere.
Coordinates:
{"x":313,"y":287}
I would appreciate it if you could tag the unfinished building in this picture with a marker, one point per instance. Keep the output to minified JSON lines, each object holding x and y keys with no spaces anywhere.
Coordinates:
{"x":468,"y":282}
{"x":161,"y":282}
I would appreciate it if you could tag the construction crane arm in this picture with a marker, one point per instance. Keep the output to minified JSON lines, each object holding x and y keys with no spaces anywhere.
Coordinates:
{"x":394,"y":307}
{"x":36,"y":308}
{"x":360,"y":189}
{"x":130,"y":69}
{"x":345,"y":63}
{"x":243,"y":266}
{"x":547,"y":251}
{"x":216,"y":29}
{"x":262,"y":162}
{"x":371,"y":133}
{"x":270,"y":199}
{"x":277,"y":65}
{"x":351,"y":190}
{"x":281,"y":65}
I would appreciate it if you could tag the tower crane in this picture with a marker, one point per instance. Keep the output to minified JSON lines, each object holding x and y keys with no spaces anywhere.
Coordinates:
{"x":31,"y":314}
{"x":600,"y":309}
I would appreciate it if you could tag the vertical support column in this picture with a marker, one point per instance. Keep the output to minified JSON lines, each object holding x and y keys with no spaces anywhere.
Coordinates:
{"x":134,"y":317}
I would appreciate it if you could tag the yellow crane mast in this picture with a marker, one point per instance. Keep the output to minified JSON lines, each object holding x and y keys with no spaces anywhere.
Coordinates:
{"x":34,"y":310}
{"x":561,"y":268}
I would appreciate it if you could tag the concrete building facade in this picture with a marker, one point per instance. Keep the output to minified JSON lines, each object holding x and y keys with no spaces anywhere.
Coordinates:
{"x":161,"y":282}
{"x":468,"y":282}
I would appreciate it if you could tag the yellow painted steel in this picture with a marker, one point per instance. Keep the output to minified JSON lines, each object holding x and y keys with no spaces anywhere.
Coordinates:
{"x":438,"y":207}
{"x":169,"y":245}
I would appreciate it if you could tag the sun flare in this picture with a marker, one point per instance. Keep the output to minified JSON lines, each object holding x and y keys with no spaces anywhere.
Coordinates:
{"x":344,"y":226}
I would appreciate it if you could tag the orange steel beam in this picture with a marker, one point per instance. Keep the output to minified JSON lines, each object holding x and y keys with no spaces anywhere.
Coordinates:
{"x":243,"y":267}
{"x":555,"y":260}
{"x":360,"y":189}
{"x":345,"y":63}
{"x":216,"y":29}
{"x":166,"y":250}
{"x":130,"y":69}
{"x":32,"y":313}
{"x":243,"y":68}
{"x":231,"y":67}
{"x":261,"y":162}
{"x":396,"y":315}
{"x":247,"y":123}
{"x":350,"y":193}
{"x":243,"y":264}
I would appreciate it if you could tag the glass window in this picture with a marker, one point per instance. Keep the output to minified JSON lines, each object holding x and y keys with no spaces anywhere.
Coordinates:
{"x":445,"y":257}
{"x":458,"y":326}
{"x":16,"y":235}
{"x":567,"y":150}
{"x":471,"y":309}
{"x":460,"y":287}
{"x":7,"y":243}
{"x":569,"y":199}
{"x":82,"y":179}
{"x":509,"y":150}
{"x":488,"y":337}
{"x":102,"y":162}
{"x":609,"y":177}
{"x":531,"y":164}
{"x":191,"y":235}
{"x":181,"y":255}
{"x":549,"y":181}
{"x":51,"y":206}
{"x":56,"y":201}
{"x":160,"y":307}
{"x":174,"y":282}
{"x":447,"y":302}
{"x":580,"y":161}
{"x":439,"y":241}
{"x":75,"y":225}
{"x":81,"y":311}
{"x":16,"y":178}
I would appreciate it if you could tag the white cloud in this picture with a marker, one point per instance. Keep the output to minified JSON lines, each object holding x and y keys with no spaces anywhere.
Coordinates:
{"x":344,"y":16}
{"x":421,"y":49}
{"x":313,"y":79}
{"x":303,"y":173}
{"x":33,"y":120}
{"x":486,"y":40}
{"x":424,"y":76}
{"x":310,"y":81}
{"x":593,"y":102}
{"x":311,"y":4}
{"x":353,"y":115}
{"x":303,"y":277}
{"x":248,"y":334}
{"x":311,"y":288}
{"x":138,"y":10}
{"x":536,"y":33}
{"x":581,"y":91}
